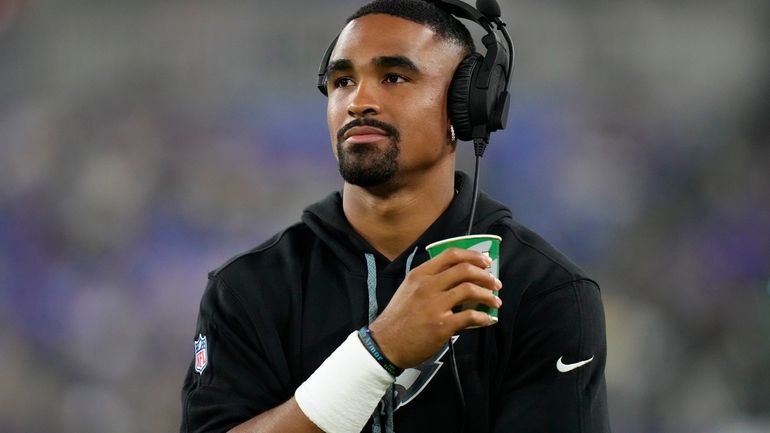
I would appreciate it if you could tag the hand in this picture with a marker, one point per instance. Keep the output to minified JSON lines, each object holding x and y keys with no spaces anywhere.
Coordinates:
{"x":419,"y":318}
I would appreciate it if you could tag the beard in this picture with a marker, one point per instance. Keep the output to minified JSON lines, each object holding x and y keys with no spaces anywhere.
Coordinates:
{"x":364,"y":164}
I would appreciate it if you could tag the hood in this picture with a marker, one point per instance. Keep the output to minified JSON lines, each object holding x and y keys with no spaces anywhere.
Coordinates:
{"x":327,"y":220}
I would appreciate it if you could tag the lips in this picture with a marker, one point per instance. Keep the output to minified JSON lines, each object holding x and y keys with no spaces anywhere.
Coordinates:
{"x":364,"y":134}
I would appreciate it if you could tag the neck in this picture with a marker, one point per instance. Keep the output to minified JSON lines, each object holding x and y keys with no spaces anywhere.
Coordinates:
{"x":392,"y":217}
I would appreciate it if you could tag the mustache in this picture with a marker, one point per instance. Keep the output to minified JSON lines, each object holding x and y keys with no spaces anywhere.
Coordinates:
{"x":368,"y":121}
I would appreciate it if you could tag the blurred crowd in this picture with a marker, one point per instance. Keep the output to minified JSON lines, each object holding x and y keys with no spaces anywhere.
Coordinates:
{"x":142,"y":144}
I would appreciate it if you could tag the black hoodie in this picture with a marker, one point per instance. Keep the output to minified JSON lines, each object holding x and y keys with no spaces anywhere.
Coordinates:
{"x":269,"y":318}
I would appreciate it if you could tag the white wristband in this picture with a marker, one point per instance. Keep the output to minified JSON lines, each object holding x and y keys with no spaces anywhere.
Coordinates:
{"x":341,"y":395}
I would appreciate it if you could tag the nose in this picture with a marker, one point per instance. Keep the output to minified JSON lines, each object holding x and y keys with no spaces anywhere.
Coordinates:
{"x":364,"y":101}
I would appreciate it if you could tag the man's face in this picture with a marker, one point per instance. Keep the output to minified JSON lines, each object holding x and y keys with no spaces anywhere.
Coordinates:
{"x":387,"y":82}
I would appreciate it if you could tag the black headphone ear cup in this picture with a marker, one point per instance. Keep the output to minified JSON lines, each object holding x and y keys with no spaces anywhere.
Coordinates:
{"x":459,"y":98}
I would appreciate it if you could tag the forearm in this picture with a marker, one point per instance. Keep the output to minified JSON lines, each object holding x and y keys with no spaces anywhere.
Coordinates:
{"x":339,"y":396}
{"x":286,"y":418}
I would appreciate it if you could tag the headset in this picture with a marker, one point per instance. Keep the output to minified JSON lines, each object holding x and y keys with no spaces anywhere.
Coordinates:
{"x":478,"y":97}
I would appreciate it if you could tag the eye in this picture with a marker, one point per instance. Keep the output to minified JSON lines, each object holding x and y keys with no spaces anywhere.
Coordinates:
{"x":342,"y":82}
{"x":392,"y":78}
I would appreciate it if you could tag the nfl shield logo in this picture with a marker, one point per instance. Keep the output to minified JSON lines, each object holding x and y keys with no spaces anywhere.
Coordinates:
{"x":201,"y":354}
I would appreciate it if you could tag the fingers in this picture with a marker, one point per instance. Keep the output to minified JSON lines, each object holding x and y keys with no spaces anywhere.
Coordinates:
{"x":469,"y":318}
{"x":463,"y":277}
{"x":466,"y":272}
{"x":471,"y":293}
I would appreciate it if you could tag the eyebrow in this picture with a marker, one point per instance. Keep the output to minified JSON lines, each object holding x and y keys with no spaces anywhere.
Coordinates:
{"x":402,"y":62}
{"x":395,"y":62}
{"x":339,"y":65}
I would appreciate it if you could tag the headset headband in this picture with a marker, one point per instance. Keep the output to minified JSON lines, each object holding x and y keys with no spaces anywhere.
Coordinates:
{"x":460,"y":10}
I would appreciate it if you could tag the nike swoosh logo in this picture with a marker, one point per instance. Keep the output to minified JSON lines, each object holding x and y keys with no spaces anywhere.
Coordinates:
{"x":562,"y":367}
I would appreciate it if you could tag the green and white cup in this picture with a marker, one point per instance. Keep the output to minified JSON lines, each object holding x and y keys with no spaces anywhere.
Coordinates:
{"x":488,"y":245}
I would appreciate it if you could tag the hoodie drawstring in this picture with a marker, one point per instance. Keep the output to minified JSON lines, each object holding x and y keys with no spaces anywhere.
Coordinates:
{"x":371,"y":284}
{"x":409,"y":261}
{"x":386,"y":406}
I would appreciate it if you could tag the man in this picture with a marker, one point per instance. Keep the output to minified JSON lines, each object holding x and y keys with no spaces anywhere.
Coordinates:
{"x":276,"y":342}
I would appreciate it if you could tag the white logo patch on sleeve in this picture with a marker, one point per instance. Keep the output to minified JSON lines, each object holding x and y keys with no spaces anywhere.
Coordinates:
{"x":201,"y":354}
{"x":563,"y":368}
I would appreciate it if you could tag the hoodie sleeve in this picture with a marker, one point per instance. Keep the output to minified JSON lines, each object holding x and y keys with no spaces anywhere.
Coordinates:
{"x":238,"y":368}
{"x":555,"y":379}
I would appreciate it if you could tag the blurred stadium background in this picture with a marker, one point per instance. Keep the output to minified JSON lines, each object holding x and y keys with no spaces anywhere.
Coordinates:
{"x":143,"y":143}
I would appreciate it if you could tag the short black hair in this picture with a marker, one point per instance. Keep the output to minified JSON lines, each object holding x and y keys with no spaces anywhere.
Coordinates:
{"x":446,"y":26}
